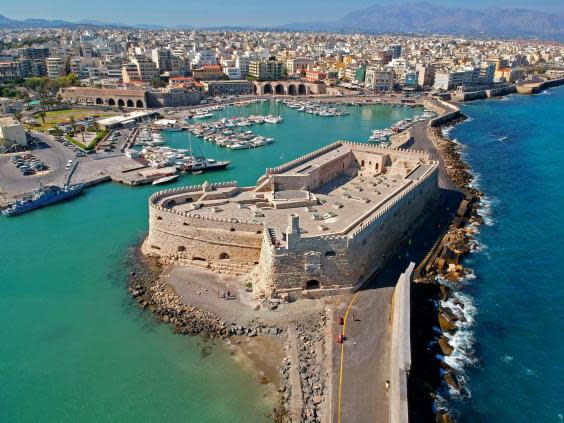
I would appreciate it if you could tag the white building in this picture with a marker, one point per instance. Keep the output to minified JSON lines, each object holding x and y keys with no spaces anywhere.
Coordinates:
{"x":204,"y":57}
{"x":12,"y":131}
{"x":233,"y":72}
{"x":55,"y":67}
{"x":379,"y":79}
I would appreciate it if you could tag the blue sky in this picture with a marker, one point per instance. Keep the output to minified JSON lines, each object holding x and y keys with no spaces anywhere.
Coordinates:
{"x":214,"y":12}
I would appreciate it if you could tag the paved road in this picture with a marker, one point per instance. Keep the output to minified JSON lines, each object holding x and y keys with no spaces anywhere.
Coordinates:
{"x":365,"y":354}
{"x":364,"y":359}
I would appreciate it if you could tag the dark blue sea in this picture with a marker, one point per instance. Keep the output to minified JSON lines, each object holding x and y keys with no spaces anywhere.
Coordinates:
{"x":511,"y":350}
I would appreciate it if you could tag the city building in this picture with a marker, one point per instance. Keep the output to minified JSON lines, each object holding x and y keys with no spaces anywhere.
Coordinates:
{"x":223,"y":88}
{"x":232,"y":72}
{"x":9,"y":71}
{"x":379,"y":79}
{"x":266,"y":70}
{"x":140,"y":68}
{"x":12,"y":132}
{"x":299,"y":65}
{"x":55,"y":67}
{"x":207,"y":72}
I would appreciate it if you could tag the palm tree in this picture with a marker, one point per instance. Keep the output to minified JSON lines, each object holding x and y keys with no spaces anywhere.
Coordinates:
{"x":80,"y":129}
{"x":18,"y":116}
{"x":42,"y":115}
{"x":73,"y":124}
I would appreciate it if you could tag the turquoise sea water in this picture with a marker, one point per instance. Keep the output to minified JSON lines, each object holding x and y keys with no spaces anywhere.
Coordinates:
{"x":74,"y":347}
{"x":515,"y":353}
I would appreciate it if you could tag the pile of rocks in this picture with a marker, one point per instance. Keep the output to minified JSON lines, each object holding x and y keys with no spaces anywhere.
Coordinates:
{"x":152,"y":294}
{"x":311,"y":370}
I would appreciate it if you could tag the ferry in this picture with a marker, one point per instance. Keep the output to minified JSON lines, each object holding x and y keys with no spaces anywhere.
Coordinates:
{"x":43,"y":196}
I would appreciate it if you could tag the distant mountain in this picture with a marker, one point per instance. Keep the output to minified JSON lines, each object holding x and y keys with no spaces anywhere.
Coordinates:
{"x":425,"y":17}
{"x":420,"y":17}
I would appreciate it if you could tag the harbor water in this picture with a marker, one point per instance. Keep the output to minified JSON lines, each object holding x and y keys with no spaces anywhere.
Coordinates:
{"x":74,"y":347}
{"x":510,"y":351}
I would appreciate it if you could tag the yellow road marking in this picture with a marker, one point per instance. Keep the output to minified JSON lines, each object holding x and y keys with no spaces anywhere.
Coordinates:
{"x":343,"y":356}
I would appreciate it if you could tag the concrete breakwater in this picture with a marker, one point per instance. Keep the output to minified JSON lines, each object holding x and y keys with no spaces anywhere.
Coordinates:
{"x":431,"y":374}
{"x":525,"y":89}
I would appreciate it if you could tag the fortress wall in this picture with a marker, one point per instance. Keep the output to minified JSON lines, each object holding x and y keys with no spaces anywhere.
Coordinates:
{"x":351,"y":259}
{"x":375,"y":243}
{"x":181,"y":237}
{"x":321,"y":259}
{"x":314,"y":177}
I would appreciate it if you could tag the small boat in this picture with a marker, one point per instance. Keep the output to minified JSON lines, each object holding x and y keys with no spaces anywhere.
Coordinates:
{"x":197,"y":172}
{"x":165,"y":180}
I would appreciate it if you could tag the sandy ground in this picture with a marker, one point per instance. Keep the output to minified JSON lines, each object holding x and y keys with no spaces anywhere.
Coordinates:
{"x":205,"y":289}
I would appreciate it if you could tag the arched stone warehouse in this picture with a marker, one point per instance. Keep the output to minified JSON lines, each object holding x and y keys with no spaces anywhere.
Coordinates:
{"x":290,"y":87}
{"x":113,"y":97}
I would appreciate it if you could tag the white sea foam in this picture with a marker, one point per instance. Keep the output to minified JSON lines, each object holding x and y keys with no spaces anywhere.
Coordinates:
{"x":462,"y":340}
{"x":507,"y":358}
{"x":486,"y":209}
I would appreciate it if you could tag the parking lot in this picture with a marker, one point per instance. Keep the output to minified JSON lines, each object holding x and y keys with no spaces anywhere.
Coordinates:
{"x":50,"y":152}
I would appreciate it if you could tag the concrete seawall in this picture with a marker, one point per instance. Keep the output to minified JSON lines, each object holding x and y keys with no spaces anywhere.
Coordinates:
{"x":535,"y":88}
{"x":400,"y":347}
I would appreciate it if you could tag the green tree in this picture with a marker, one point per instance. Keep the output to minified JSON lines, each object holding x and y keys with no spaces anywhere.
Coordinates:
{"x":42,"y":115}
{"x":158,"y":82}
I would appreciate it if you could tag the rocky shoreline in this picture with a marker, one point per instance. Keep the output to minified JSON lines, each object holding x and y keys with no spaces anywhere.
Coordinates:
{"x":302,"y":390}
{"x":437,"y":322}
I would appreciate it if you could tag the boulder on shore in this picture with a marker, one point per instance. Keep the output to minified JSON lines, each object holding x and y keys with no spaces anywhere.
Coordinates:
{"x":446,"y":348}
{"x":446,"y":324}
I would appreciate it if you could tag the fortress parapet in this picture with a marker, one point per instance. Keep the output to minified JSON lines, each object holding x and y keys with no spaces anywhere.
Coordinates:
{"x":324,"y":222}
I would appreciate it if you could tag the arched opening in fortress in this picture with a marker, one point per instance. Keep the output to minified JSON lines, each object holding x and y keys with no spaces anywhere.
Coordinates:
{"x":279,"y":89}
{"x":139,"y":104}
{"x":267,"y":89}
{"x":196,"y":258}
{"x":312,"y":284}
{"x":121,"y":103}
{"x":171,"y":203}
{"x":111,"y":102}
{"x":302,"y":89}
{"x":362,"y":163}
{"x":224,"y":256}
{"x":292,"y":89}
{"x":330,"y":253}
{"x":181,"y":249}
{"x":130,"y":103}
{"x":99,"y":101}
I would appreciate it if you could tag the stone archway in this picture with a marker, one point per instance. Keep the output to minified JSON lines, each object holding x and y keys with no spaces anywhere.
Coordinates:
{"x":121,"y":103}
{"x":130,"y":103}
{"x":292,"y":89}
{"x":139,"y":104}
{"x":302,"y":89}
{"x":267,"y":89}
{"x":279,"y":89}
{"x":111,"y":102}
{"x":224,"y":256}
{"x":99,"y":101}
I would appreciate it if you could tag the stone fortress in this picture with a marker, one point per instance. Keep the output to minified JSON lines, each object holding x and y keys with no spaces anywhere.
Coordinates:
{"x":321,"y":224}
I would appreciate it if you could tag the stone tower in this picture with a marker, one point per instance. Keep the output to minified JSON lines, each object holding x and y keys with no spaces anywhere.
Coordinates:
{"x":293,"y":231}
